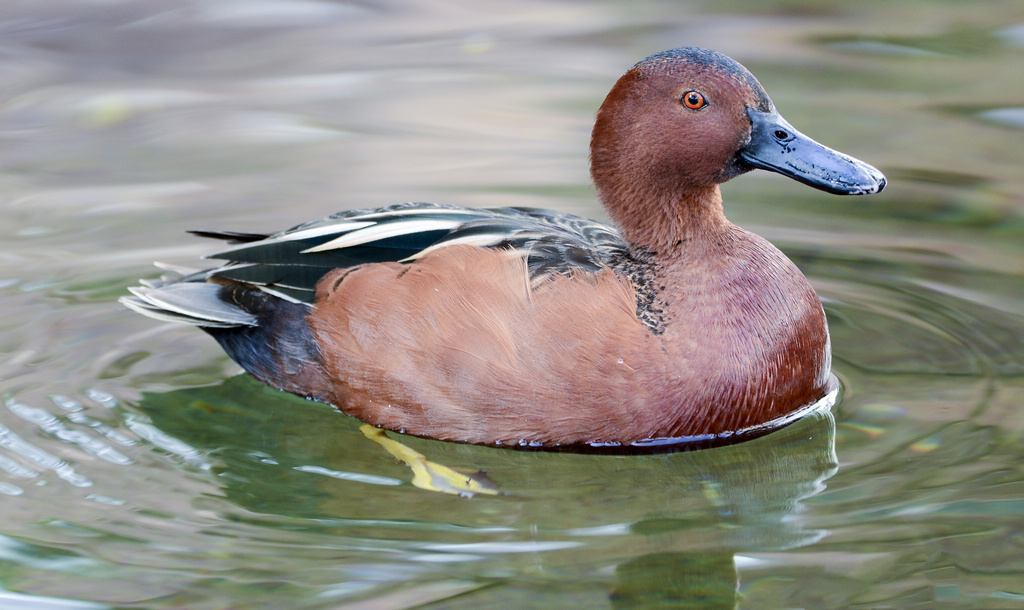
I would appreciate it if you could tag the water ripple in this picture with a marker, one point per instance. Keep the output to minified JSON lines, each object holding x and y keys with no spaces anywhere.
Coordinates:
{"x":11,"y":490}
{"x":349,"y":476}
{"x":76,"y":416}
{"x":17,"y":469}
{"x":53,"y":426}
{"x":168,"y":443}
{"x":12,"y":442}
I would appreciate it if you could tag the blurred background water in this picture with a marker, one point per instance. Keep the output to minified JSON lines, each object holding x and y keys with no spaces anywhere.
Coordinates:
{"x":138,"y":470}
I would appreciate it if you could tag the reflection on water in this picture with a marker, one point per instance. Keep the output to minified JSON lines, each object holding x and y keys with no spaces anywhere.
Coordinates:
{"x":136,"y":468}
{"x":697,"y":508}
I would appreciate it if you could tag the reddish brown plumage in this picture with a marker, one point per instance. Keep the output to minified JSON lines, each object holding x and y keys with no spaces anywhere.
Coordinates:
{"x":457,"y":347}
{"x":702,"y":329}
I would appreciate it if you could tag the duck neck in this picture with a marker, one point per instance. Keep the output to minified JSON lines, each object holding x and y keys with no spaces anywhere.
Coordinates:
{"x":670,"y":225}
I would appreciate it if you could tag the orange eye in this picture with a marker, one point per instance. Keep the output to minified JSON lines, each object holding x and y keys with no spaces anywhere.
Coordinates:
{"x":694,"y":100}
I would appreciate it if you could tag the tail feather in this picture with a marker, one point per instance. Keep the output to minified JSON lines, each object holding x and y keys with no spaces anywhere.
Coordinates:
{"x":266,"y":335}
{"x":157,"y":313}
{"x":194,"y":303}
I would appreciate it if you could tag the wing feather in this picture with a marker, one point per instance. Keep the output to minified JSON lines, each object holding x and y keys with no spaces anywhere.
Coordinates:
{"x":289,"y":264}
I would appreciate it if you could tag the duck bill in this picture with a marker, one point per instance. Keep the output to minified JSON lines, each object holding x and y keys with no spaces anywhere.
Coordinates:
{"x":776,"y":146}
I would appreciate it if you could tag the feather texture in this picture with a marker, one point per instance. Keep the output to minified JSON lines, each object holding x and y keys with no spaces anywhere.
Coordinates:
{"x":290,"y":263}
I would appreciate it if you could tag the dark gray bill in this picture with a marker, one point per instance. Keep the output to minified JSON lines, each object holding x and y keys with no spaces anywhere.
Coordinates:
{"x":776,"y":146}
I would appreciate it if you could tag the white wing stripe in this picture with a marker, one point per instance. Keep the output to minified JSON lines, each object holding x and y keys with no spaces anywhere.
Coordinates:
{"x":384,"y":231}
{"x":487,"y":239}
{"x":340,"y":227}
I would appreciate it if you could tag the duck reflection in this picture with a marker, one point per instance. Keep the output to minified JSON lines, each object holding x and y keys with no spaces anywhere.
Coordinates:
{"x":657,"y":530}
{"x":755,"y":490}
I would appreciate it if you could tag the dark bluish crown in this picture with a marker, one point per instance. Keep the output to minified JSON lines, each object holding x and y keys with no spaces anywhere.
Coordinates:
{"x":712,"y":60}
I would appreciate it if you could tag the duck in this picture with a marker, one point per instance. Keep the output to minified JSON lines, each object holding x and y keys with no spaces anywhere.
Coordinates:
{"x":523,"y":327}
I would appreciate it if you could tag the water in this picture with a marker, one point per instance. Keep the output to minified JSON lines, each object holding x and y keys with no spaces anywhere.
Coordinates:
{"x":137,"y":470}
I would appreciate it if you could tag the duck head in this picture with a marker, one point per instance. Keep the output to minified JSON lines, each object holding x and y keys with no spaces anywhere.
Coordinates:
{"x":683,"y":121}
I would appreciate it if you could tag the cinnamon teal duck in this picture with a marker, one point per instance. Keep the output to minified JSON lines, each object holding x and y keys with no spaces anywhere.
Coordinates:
{"x":527,"y":327}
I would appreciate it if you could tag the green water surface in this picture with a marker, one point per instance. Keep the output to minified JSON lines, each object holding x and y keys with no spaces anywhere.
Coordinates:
{"x":139,"y":469}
